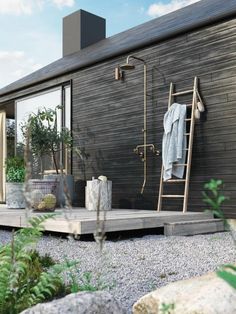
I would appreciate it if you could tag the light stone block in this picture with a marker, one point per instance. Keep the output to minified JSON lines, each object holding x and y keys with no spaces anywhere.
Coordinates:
{"x":98,"y":194}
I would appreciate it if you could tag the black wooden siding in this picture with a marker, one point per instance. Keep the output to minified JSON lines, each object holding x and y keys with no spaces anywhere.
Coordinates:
{"x":109,"y":115}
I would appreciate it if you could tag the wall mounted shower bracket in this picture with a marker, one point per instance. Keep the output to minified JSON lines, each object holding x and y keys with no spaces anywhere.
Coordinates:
{"x":118,"y":73}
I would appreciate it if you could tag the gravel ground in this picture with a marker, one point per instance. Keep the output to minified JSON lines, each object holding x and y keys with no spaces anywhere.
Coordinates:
{"x":136,"y":266}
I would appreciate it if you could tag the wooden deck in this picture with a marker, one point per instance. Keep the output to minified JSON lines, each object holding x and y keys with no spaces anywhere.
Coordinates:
{"x":81,"y":221}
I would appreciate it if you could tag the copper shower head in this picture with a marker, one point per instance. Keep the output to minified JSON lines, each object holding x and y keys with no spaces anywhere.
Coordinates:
{"x":127,"y":67}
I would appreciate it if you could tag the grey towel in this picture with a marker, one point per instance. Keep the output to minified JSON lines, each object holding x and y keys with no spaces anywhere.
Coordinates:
{"x":174,"y":141}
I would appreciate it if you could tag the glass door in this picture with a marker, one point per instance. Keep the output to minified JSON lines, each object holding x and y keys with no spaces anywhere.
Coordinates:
{"x":3,"y":153}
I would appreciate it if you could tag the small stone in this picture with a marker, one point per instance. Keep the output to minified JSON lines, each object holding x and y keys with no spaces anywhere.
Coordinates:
{"x":42,"y":206}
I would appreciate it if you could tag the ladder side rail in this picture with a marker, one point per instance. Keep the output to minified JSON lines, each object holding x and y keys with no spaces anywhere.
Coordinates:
{"x":190,"y":145}
{"x":159,"y":205}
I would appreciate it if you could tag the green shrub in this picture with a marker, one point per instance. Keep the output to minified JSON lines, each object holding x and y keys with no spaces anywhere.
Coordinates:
{"x":228,"y":273}
{"x":167,"y":308}
{"x":84,"y":282}
{"x":15,"y":169}
{"x":214,"y":198}
{"x":24,"y":279}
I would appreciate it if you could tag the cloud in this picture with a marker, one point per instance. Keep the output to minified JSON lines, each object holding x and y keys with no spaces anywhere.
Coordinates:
{"x":17,"y":7}
{"x":27,"y":7}
{"x":160,"y":8}
{"x":14,"y":65}
{"x":63,"y":3}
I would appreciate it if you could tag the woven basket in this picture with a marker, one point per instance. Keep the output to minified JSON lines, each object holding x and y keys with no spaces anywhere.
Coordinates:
{"x":43,"y":194}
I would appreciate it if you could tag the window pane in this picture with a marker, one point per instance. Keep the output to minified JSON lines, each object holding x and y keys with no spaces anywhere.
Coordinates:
{"x":31,"y":105}
{"x":67,"y":93}
{"x":68,"y":107}
{"x":27,"y":106}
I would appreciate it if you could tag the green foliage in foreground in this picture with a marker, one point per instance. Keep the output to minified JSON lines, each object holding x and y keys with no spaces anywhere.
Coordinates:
{"x":214,"y":198}
{"x":85,"y":282}
{"x":24,"y":281}
{"x":167,"y":308}
{"x":228,"y":273}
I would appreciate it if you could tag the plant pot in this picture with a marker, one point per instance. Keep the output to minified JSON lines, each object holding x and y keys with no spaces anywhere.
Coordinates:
{"x":15,"y":195}
{"x":43,"y":194}
{"x":69,"y":180}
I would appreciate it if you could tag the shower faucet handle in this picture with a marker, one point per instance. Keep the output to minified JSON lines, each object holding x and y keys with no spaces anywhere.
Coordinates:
{"x":139,"y":150}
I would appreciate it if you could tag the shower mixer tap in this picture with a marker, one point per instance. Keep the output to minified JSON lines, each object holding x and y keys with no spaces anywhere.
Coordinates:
{"x":152,"y":148}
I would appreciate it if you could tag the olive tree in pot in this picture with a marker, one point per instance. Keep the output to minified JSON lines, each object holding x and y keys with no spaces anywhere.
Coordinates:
{"x":47,"y":140}
{"x":15,"y":176}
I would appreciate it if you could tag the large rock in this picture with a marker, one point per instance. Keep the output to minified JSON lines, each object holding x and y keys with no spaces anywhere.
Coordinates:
{"x":79,"y":303}
{"x":207,"y":294}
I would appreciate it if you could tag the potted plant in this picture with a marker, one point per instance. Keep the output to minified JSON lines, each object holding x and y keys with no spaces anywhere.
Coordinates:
{"x":47,"y":140}
{"x":15,"y":176}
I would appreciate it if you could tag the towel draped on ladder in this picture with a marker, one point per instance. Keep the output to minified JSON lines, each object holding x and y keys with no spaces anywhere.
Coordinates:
{"x":174,"y":141}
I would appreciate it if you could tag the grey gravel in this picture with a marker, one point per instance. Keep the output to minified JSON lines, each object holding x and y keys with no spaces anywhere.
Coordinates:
{"x":137,"y":266}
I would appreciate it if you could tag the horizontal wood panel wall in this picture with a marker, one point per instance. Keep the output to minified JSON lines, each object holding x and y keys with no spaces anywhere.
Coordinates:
{"x":109,"y":115}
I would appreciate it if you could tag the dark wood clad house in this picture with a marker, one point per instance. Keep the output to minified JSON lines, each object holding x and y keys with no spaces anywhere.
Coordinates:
{"x":198,"y":40}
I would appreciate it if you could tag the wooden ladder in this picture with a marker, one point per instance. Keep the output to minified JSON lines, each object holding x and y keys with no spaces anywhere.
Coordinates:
{"x":196,"y":97}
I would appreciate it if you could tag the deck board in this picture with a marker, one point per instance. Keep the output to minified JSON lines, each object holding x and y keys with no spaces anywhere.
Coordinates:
{"x":81,"y":221}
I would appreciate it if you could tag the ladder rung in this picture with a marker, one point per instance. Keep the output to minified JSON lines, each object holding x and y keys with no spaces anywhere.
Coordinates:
{"x":186,"y":149}
{"x":187,"y":134}
{"x":189,"y":105}
{"x":188,"y":119}
{"x":175,"y":180}
{"x":183,"y":93}
{"x":173,"y":196}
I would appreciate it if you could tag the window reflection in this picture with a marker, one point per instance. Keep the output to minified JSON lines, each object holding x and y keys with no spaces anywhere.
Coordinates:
{"x":30,"y":105}
{"x":50,"y":100}
{"x":67,"y":107}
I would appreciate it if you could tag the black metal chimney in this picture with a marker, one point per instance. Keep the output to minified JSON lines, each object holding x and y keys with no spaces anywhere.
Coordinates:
{"x":82,"y":29}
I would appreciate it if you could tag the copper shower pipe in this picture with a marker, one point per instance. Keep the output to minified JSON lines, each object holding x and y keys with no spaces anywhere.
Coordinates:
{"x":128,"y":66}
{"x":144,"y":127}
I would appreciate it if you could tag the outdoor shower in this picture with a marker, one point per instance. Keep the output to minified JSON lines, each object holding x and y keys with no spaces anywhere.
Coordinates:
{"x":141,"y":150}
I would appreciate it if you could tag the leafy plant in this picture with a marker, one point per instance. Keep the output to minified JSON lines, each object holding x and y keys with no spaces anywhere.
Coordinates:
{"x":167,"y":308}
{"x":228,"y":273}
{"x":24,"y":281}
{"x":213,"y":197}
{"x":45,"y":261}
{"x":45,"y":137}
{"x":85,"y":282}
{"x":15,"y":169}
